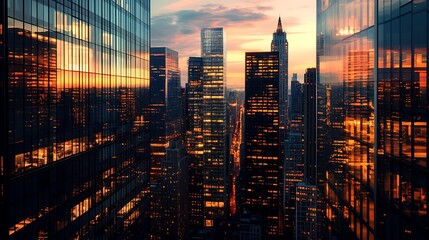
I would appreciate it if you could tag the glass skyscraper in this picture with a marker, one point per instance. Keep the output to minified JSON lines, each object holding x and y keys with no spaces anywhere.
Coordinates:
{"x":262,"y":166}
{"x":402,"y":120}
{"x":74,"y":149}
{"x":372,"y":57}
{"x":346,"y":42}
{"x":216,"y":149}
{"x":165,"y":124}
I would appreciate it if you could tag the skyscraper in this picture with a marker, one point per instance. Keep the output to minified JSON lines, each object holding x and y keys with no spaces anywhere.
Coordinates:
{"x":262,"y":167}
{"x":310,"y":162}
{"x":215,"y":163}
{"x":307,"y":219}
{"x":194,"y":140}
{"x":165,"y":105}
{"x":174,"y":210}
{"x":296,"y":97}
{"x":165,"y":124}
{"x":402,"y":120}
{"x":309,"y":210}
{"x":375,"y":69}
{"x":346,"y":58}
{"x":294,"y":151}
{"x":74,"y":149}
{"x":281,"y":45}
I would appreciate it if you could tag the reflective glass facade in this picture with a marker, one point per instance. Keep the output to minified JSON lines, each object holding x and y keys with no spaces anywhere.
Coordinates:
{"x":382,"y":70}
{"x":165,"y":123}
{"x":402,"y":120}
{"x":262,"y":167}
{"x":346,"y":43}
{"x":216,"y":150}
{"x":74,"y":154}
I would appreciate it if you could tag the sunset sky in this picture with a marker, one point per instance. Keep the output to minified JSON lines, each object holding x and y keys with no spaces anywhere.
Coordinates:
{"x":249,"y":25}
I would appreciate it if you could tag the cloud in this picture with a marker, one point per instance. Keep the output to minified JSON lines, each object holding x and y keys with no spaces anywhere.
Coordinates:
{"x":248,"y":24}
{"x":168,"y":28}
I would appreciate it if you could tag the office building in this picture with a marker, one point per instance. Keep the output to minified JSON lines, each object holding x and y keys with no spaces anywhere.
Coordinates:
{"x":310,"y":163}
{"x":165,"y":123}
{"x":165,"y":105}
{"x":296,"y":97}
{"x":346,"y":58}
{"x":74,"y":138}
{"x":174,"y":192}
{"x":401,"y":120}
{"x":194,"y":140}
{"x":294,"y":151}
{"x":281,"y":45}
{"x":307,"y":222}
{"x":373,"y":72}
{"x":215,"y":143}
{"x":262,"y":166}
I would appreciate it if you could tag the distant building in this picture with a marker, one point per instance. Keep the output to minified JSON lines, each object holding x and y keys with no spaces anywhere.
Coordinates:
{"x":262,"y":165}
{"x":252,"y":228}
{"x":215,"y":139}
{"x":194,"y":140}
{"x":310,"y":163}
{"x":174,"y":192}
{"x":308,"y":223}
{"x":165,"y":123}
{"x":294,"y":159}
{"x":280,"y":44}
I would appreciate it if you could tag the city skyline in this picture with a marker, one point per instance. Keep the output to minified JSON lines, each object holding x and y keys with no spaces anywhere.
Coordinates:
{"x":248,"y":24}
{"x":122,"y":120}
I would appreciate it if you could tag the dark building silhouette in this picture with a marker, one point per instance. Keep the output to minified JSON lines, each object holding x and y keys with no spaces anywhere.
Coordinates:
{"x":310,"y":162}
{"x":296,"y":98}
{"x":294,"y":155}
{"x":262,"y":165}
{"x":74,"y":147}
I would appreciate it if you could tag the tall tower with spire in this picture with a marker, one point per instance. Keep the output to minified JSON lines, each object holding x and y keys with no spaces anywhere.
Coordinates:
{"x":280,"y":44}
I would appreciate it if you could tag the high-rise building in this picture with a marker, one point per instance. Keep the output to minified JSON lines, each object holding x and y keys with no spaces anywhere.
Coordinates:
{"x":346,"y":66}
{"x":376,"y":70}
{"x":262,"y":166}
{"x":307,"y":219}
{"x":215,"y":144}
{"x":74,"y":139}
{"x":401,"y":120}
{"x":165,"y":105}
{"x":194,"y":140}
{"x":296,"y":97}
{"x":294,"y":151}
{"x":174,"y":192}
{"x":281,"y":45}
{"x":308,"y":209}
{"x":165,"y":123}
{"x":310,"y":163}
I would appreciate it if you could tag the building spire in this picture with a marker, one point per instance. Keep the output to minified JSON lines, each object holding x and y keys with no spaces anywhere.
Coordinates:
{"x":279,"y":25}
